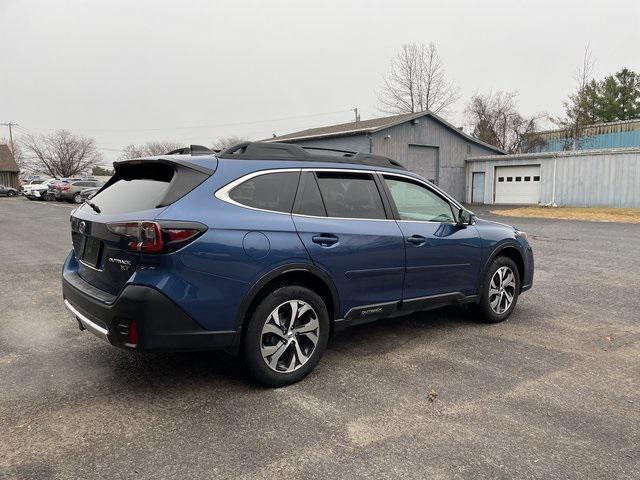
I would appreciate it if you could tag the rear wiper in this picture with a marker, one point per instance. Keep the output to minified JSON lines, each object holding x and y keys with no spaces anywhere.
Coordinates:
{"x":93,"y":205}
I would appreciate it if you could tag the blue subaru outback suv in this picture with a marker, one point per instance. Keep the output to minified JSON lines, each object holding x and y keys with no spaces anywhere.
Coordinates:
{"x":266,"y":249}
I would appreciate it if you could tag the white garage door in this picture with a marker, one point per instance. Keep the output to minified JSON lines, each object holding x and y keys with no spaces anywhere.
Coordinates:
{"x":518,"y":184}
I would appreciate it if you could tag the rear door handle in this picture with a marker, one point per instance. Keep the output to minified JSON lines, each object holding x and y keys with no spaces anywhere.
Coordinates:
{"x":325,"y":239}
{"x":416,"y":240}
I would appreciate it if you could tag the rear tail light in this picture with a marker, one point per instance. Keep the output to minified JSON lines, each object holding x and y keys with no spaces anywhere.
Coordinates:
{"x":65,"y":188}
{"x":154,"y":237}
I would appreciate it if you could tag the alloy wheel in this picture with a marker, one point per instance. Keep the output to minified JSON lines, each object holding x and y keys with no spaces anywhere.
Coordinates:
{"x":289,"y":336}
{"x":502,"y":290}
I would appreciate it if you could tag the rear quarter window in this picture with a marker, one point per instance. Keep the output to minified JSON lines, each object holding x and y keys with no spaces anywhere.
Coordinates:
{"x":270,"y":191}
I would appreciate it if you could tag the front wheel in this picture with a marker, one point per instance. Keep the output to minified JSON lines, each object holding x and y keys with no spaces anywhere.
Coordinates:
{"x":11,"y":193}
{"x":77,"y":198}
{"x":500,"y":290}
{"x":286,"y":336}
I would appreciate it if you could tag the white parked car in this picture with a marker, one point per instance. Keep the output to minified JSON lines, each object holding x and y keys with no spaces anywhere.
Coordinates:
{"x":40,"y":191}
{"x":27,"y":187}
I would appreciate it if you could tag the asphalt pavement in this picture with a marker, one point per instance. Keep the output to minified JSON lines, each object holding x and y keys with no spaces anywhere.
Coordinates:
{"x":551,"y":393}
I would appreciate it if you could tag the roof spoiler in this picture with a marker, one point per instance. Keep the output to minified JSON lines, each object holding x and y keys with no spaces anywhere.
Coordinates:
{"x":191,"y":150}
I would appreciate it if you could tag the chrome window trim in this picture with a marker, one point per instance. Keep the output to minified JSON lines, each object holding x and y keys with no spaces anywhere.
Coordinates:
{"x":223,"y":192}
{"x":345,"y":218}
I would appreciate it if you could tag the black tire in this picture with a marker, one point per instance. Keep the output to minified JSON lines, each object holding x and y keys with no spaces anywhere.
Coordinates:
{"x":253,"y":337}
{"x":485,"y":312}
{"x":11,"y":193}
{"x":77,"y":198}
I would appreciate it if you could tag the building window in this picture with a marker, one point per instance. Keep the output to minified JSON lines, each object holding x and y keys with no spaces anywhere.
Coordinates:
{"x":501,"y":179}
{"x":536,"y":178}
{"x":527,"y":179}
{"x":518,"y":179}
{"x":509,"y":179}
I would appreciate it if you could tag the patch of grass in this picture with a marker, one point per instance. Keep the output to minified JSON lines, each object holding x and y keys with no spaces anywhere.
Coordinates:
{"x":620,"y":215}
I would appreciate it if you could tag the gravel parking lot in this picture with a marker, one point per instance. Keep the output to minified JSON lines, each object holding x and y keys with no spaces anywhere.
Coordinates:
{"x":552,"y":393}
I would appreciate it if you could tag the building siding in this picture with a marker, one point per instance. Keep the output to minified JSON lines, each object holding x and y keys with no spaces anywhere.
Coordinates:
{"x":453,"y":150}
{"x":394,"y":142}
{"x":621,"y":134}
{"x":582,"y":179}
{"x":355,"y":143}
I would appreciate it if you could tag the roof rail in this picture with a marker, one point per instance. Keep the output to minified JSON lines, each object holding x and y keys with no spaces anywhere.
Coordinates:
{"x":191,"y":150}
{"x":289,"y":151}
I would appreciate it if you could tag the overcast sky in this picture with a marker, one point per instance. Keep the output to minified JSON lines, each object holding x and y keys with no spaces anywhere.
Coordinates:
{"x":131,"y":71}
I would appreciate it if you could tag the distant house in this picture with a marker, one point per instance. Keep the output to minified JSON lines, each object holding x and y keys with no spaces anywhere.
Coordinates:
{"x":622,"y":134}
{"x":9,"y":171}
{"x":423,"y":142}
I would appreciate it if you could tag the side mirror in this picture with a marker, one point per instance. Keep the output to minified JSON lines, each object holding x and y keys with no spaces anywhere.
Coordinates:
{"x":465,"y":217}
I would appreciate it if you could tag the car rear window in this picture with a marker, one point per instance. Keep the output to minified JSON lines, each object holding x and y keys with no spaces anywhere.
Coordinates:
{"x":135,"y":187}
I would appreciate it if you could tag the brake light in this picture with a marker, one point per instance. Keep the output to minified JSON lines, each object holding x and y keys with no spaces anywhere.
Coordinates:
{"x":152,"y":237}
{"x":65,"y":188}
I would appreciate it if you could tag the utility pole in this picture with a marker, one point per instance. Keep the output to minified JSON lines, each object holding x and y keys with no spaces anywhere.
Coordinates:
{"x":355,"y":110}
{"x":10,"y":124}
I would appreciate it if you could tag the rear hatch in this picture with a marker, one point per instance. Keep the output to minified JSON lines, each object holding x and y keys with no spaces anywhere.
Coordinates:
{"x":116,"y":227}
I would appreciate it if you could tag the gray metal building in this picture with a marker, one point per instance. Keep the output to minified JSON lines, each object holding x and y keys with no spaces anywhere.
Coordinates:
{"x":423,"y":142}
{"x":580,"y":178}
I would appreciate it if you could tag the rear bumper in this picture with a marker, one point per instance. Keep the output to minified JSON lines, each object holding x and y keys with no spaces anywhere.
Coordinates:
{"x":161,"y":324}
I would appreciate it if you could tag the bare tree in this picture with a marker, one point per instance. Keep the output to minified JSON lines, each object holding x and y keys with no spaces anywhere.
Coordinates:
{"x":416,"y":82}
{"x":61,"y":153}
{"x":148,"y":149}
{"x":579,"y":111}
{"x":226,"y":142}
{"x":494,"y":119}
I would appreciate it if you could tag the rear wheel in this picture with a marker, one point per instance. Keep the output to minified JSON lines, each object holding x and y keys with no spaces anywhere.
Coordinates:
{"x":500,"y":291}
{"x":77,"y":198}
{"x":286,"y":336}
{"x":11,"y":193}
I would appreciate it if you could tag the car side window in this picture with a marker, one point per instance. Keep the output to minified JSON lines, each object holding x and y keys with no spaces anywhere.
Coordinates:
{"x":350,"y":195}
{"x":308,"y":199}
{"x":415,"y":202}
{"x":271,"y":191}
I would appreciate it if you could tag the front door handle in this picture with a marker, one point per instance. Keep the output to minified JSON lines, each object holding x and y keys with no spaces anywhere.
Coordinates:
{"x":416,"y":240}
{"x":325,"y":239}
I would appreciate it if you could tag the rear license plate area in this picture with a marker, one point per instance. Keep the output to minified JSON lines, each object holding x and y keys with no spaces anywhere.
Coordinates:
{"x":91,"y":251}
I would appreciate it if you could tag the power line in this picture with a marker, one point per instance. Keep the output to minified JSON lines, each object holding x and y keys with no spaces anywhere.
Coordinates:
{"x":194,"y":126}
